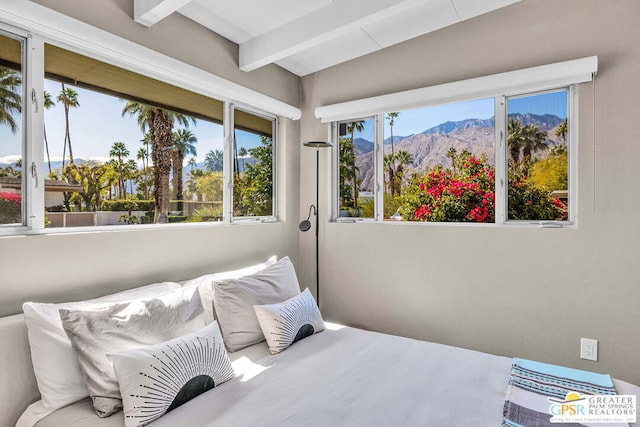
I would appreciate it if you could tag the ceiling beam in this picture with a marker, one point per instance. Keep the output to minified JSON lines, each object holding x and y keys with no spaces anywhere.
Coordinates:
{"x":327,"y":23}
{"x":150,"y":12}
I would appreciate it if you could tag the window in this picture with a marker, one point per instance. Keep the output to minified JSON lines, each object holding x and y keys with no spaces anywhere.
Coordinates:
{"x":538,"y":157}
{"x":446,"y":163}
{"x":122,"y":149}
{"x":356,"y":168}
{"x":12,"y":138}
{"x":253,"y":165}
{"x":439,"y":163}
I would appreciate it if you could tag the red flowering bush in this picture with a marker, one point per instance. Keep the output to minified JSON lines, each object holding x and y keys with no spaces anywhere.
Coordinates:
{"x":10,"y":208}
{"x":464,"y":193}
{"x":530,"y":203}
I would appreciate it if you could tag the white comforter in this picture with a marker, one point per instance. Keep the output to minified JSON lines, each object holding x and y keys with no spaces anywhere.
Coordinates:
{"x":342,"y":377}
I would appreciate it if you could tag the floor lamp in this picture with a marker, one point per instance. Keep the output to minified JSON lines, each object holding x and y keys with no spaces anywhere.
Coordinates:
{"x":306,"y":224}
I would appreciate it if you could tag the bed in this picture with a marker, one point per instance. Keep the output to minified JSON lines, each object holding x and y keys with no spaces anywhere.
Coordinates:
{"x":340,"y":376}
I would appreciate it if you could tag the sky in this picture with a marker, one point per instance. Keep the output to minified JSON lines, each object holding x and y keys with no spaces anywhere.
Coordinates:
{"x":97,"y":123}
{"x":416,"y":121}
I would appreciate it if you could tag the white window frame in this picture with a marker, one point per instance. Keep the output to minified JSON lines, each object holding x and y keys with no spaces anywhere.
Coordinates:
{"x":501,"y":169}
{"x":378,"y":195}
{"x":32,"y":192}
{"x":572,"y":157}
{"x":39,"y":25}
{"x":228,"y":174}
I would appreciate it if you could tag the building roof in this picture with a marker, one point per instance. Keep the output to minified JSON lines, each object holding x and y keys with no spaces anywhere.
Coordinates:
{"x":50,"y":185}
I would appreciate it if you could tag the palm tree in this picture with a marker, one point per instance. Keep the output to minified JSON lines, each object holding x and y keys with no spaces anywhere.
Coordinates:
{"x":159,"y":123}
{"x":515,"y":139}
{"x":403,"y":158}
{"x":562,"y":130}
{"x":389,"y":166}
{"x":192,"y":182}
{"x":10,"y":97}
{"x":192,"y":163}
{"x":391,"y":117}
{"x":143,"y":155}
{"x":146,"y":143}
{"x":120,"y":152}
{"x":352,"y":127}
{"x":184,"y":142}
{"x":48,"y":103}
{"x":534,"y":141}
{"x":243,"y":154}
{"x":69,"y":99}
{"x":214,"y":160}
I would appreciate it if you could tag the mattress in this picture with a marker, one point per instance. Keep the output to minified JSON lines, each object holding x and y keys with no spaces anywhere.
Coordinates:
{"x":342,"y":376}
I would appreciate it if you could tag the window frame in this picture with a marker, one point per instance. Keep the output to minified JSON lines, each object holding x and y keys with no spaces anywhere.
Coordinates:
{"x":501,"y":162}
{"x":188,"y":77}
{"x":335,"y":205}
{"x":32,"y":181}
{"x":572,"y":154}
{"x":228,"y":171}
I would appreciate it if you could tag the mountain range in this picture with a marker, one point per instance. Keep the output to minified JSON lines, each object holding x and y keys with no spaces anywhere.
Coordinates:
{"x":429,"y":148}
{"x":243,"y":162}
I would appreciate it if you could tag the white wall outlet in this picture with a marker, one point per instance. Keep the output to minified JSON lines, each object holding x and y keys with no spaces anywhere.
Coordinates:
{"x":589,"y":349}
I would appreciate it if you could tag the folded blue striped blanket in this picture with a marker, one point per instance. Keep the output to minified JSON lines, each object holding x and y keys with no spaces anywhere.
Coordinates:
{"x":531,"y":384}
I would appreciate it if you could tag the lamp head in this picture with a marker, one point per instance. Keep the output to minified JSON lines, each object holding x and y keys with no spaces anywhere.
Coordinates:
{"x":305,"y":225}
{"x":317,"y":144}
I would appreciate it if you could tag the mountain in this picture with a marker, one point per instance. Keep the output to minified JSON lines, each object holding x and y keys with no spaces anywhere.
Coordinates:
{"x":429,"y":148}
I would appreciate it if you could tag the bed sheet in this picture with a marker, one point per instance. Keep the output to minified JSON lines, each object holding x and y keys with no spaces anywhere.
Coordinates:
{"x":342,"y":376}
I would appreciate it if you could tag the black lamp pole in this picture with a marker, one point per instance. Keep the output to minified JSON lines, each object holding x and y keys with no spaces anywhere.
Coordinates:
{"x":306,"y":225}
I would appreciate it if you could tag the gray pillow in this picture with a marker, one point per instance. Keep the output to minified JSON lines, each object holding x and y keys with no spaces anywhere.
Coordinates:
{"x":125,"y":326}
{"x":234,"y":299}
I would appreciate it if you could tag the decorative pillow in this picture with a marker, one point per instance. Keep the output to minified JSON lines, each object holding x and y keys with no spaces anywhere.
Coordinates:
{"x":120,"y":327}
{"x":156,"y":379}
{"x":234,"y":300}
{"x":55,"y":364}
{"x":204,"y":283}
{"x":285,"y":323}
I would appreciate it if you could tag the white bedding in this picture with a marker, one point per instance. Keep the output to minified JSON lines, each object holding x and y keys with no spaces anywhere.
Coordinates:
{"x":342,"y":376}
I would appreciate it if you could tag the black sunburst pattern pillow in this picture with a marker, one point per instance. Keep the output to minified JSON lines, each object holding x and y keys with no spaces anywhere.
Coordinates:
{"x":290,"y":321}
{"x":156,"y":379}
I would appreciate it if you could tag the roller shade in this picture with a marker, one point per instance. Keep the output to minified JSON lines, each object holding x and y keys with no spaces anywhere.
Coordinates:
{"x":533,"y":79}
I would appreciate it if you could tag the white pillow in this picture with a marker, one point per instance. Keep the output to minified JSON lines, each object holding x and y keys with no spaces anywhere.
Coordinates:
{"x":124,"y":326}
{"x":290,"y":321}
{"x":234,"y":300}
{"x":55,"y":364}
{"x":156,"y":379}
{"x":204,"y":282}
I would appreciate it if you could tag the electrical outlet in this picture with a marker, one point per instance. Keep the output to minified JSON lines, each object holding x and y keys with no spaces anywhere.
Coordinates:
{"x":589,"y":349}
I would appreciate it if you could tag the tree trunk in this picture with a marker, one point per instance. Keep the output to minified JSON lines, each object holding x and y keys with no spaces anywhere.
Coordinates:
{"x":178,"y":158}
{"x":163,"y":147}
{"x":65,"y":102}
{"x":46,"y":146}
{"x":355,"y":187}
{"x":392,"y":179}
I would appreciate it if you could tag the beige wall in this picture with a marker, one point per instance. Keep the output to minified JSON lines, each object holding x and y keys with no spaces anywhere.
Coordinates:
{"x":75,"y":266}
{"x":517,"y":292}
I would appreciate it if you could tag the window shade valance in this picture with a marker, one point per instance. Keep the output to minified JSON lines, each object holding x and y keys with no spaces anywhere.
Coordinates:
{"x":529,"y":79}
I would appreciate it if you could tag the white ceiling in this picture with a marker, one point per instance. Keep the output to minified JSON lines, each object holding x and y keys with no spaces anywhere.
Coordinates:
{"x":304,"y":36}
